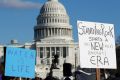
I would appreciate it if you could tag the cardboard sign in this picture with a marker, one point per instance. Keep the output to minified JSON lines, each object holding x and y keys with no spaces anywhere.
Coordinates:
{"x":20,"y":62}
{"x":97,"y":45}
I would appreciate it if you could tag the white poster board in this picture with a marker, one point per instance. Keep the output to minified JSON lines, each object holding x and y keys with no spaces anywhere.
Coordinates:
{"x":97,"y":45}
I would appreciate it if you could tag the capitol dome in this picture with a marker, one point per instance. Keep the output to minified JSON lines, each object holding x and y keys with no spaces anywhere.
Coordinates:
{"x":53,"y":7}
{"x":53,"y":22}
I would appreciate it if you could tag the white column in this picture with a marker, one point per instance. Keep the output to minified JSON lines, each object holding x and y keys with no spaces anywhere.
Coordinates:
{"x":38,"y":55}
{"x":62,"y":52}
{"x":38,"y":49}
{"x":55,"y":50}
{"x":67,"y":53}
{"x":44,"y":53}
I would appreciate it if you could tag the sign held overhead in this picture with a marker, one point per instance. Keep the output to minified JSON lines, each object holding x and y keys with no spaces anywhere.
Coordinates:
{"x":20,"y":62}
{"x":97,"y":45}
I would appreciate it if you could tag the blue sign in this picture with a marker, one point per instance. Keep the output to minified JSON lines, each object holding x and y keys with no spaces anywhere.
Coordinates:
{"x":20,"y":62}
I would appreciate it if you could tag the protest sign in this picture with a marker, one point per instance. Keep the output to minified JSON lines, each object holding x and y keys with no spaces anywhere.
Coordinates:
{"x":20,"y":62}
{"x":97,"y":45}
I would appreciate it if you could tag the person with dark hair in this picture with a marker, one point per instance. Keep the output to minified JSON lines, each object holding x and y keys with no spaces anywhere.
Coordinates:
{"x":67,"y":78}
{"x":37,"y":78}
{"x":1,"y":71}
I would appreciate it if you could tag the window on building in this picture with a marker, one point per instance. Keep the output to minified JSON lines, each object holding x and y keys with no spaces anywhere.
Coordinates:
{"x":58,"y":31}
{"x":47,"y":20}
{"x":55,"y":31}
{"x":39,"y":32}
{"x":46,"y":32}
{"x":50,"y":31}
{"x":50,"y":20}
{"x":64,"y":52}
{"x":58,"y":20}
{"x":42,"y":62}
{"x":41,"y":52}
{"x":53,"y":20}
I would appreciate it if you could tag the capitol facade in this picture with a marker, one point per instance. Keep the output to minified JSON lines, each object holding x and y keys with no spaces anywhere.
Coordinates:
{"x":52,"y":36}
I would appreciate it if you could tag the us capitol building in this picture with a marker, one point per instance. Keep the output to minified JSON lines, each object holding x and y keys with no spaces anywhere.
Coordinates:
{"x":52,"y":35}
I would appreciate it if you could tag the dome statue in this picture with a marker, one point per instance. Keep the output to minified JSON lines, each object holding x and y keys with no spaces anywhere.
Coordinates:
{"x":53,"y":22}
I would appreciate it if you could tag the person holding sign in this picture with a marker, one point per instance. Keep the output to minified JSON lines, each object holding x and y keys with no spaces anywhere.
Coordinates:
{"x":97,"y":46}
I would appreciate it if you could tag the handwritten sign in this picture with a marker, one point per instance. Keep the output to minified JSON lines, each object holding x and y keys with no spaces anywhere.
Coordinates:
{"x":20,"y":62}
{"x":97,"y":45}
